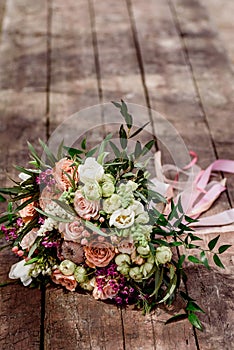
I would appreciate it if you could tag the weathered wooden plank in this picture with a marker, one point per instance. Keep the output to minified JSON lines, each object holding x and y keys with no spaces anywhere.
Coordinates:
{"x":212,"y":72}
{"x":176,"y":94}
{"x":22,"y":70}
{"x":72,"y":75}
{"x":86,"y":323}
{"x":221,"y":17}
{"x":119,"y":69}
{"x":80,"y":322}
{"x":120,"y":78}
{"x":213,"y":76}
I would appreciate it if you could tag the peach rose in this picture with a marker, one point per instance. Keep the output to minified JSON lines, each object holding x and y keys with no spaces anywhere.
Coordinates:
{"x":46,"y":197}
{"x":68,"y":282}
{"x":73,"y":231}
{"x":29,"y":239}
{"x":28,"y":213}
{"x":99,"y":253}
{"x":107,"y":292}
{"x":60,"y":171}
{"x":85,"y":208}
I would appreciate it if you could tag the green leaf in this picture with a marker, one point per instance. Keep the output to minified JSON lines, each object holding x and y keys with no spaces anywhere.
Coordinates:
{"x":173,"y":214}
{"x":48,"y":152}
{"x":104,"y":143}
{"x":123,"y":137}
{"x":190,"y":220}
{"x":186,"y":296}
{"x":56,"y":218}
{"x":139,"y":130}
{"x":35,"y":156}
{"x":91,"y":152}
{"x":195,"y":238}
{"x":137,"y":151}
{"x":115,"y":149}
{"x":157,"y":281}
{"x":192,"y":306}
{"x":193,"y":259}
{"x":223,"y":248}
{"x":28,"y":227}
{"x":170,"y":289}
{"x":73,"y":151}
{"x":161,"y":242}
{"x":83,"y":144}
{"x":34,"y":246}
{"x":116,"y":104}
{"x":94,"y":228}
{"x":60,"y":153}
{"x":126,"y":115}
{"x":147,"y":147}
{"x":204,"y":260}
{"x":31,"y":261}
{"x":5,"y":218}
{"x":2,"y":199}
{"x":101,"y":157}
{"x":176,"y":318}
{"x":217,"y":261}
{"x":175,"y":244}
{"x":65,"y":207}
{"x":180,"y":261}
{"x":194,"y":320}
{"x":213,"y":242}
{"x":180,"y":208}
{"x":128,"y":175}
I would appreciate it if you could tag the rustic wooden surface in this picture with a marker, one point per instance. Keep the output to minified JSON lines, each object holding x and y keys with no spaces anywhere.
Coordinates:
{"x":58,"y":57}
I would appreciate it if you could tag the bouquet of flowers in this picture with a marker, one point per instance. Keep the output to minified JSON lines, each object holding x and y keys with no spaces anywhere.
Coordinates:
{"x":86,"y":221}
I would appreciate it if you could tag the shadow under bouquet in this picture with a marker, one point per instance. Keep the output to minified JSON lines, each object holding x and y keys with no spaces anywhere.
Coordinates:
{"x":85,"y":221}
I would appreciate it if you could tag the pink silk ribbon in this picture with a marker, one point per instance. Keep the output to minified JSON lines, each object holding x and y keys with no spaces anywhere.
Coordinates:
{"x":198,"y":193}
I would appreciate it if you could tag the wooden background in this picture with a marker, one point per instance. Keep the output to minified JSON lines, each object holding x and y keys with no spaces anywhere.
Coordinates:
{"x":57,"y":57}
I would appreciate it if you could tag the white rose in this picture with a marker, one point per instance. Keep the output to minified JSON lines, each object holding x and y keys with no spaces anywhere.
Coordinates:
{"x":111,"y":204}
{"x":163,"y":255}
{"x":20,"y":270}
{"x":131,"y":185}
{"x":90,"y":171}
{"x":92,"y":191}
{"x":122,"y":218}
{"x":143,"y":218}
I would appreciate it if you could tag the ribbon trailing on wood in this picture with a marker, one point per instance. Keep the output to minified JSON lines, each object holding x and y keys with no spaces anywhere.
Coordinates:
{"x":197,"y":191}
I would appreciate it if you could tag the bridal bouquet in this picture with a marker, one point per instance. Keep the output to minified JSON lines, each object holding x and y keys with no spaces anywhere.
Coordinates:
{"x":88,"y":221}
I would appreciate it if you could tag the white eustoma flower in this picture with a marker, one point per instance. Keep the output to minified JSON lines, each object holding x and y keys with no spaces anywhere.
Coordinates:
{"x":90,"y":171}
{"x":122,"y":218}
{"x":20,"y":270}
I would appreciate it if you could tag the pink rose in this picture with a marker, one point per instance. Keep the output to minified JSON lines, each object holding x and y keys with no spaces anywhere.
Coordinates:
{"x":106,"y":292}
{"x":28,"y":213}
{"x":99,"y":253}
{"x":68,"y":282}
{"x":46,"y":197}
{"x":73,"y":231}
{"x":62,"y":171}
{"x":85,"y":208}
{"x":29,"y":239}
{"x":126,"y":246}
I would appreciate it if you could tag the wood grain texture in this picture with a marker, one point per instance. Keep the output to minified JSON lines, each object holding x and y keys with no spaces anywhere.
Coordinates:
{"x":22,"y":112}
{"x":213,"y":76}
{"x":57,"y":58}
